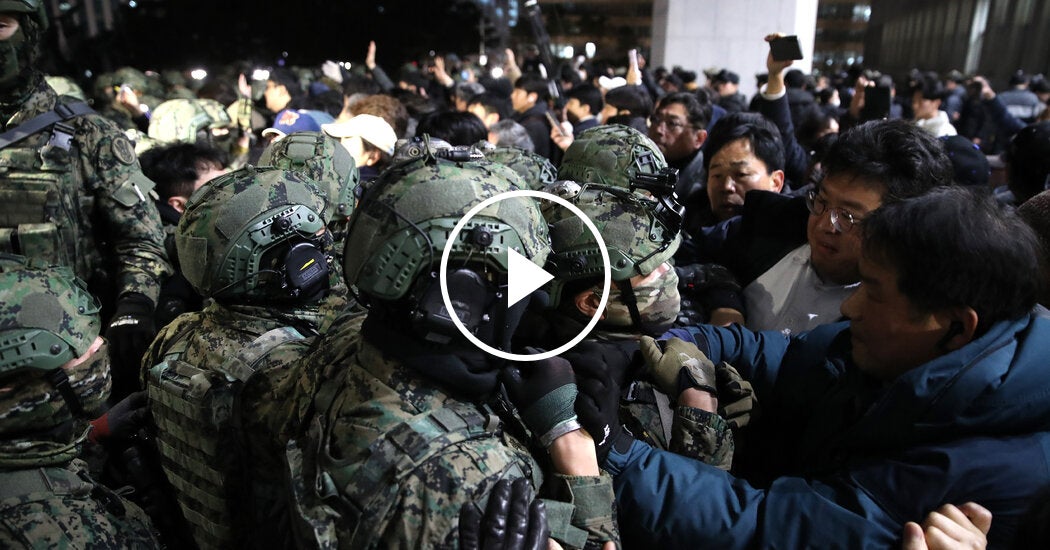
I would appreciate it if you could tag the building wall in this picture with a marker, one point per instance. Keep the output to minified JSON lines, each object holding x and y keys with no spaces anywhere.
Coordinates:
{"x":699,"y":34}
{"x":990,"y":37}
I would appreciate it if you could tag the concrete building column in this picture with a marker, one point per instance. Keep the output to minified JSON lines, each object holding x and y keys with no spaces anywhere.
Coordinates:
{"x":697,"y":34}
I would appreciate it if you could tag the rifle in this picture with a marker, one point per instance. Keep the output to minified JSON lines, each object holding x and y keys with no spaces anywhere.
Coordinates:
{"x":543,"y":42}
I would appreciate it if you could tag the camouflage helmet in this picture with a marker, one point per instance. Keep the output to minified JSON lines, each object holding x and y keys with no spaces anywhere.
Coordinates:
{"x":47,"y":320}
{"x":536,"y":170}
{"x":132,"y":77}
{"x":237,"y":228}
{"x":64,"y":86}
{"x":34,"y":8}
{"x":400,"y":227}
{"x":323,"y":159}
{"x":188,"y":120}
{"x":636,"y":235}
{"x":47,"y":316}
{"x":611,"y":154}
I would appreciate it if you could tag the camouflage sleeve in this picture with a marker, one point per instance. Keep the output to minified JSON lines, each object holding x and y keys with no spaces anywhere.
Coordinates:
{"x":587,"y":503}
{"x":124,"y":210}
{"x":278,"y":395}
{"x":426,"y":514}
{"x":702,"y":435}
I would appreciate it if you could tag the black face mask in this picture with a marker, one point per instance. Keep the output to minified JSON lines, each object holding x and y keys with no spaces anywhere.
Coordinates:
{"x":18,"y":55}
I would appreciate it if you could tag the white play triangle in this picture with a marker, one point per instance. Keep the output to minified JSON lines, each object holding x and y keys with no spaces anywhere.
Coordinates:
{"x":523,"y":277}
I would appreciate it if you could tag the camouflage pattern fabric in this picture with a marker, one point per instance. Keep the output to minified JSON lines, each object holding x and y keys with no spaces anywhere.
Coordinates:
{"x":47,"y":508}
{"x":658,"y":302}
{"x":232,"y":221}
{"x":47,"y":319}
{"x":535,"y":170}
{"x":64,"y":86}
{"x":418,"y":489}
{"x":183,"y":120}
{"x":638,"y":242}
{"x":99,"y":204}
{"x":430,"y":195}
{"x":695,"y":433}
{"x":610,"y":154}
{"x":249,"y":432}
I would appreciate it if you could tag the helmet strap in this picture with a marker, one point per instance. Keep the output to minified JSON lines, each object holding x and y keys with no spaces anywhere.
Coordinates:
{"x":631,"y":301}
{"x":60,"y":381}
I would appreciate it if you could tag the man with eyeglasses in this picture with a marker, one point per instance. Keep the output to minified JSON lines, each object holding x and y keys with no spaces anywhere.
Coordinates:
{"x":796,"y":257}
{"x":678,"y":126}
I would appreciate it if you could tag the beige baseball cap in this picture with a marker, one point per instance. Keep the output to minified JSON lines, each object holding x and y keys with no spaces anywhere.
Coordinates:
{"x":370,"y":128}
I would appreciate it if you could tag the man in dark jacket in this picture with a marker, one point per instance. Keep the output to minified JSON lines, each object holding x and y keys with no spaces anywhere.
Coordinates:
{"x":529,"y":100}
{"x":934,"y":392}
{"x":796,"y":257}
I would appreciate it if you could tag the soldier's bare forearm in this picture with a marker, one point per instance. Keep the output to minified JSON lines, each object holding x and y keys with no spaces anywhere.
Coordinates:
{"x":574,"y":454}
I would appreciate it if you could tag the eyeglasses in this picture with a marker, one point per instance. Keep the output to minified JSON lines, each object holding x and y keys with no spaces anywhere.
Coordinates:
{"x":672,"y":124}
{"x":841,"y":219}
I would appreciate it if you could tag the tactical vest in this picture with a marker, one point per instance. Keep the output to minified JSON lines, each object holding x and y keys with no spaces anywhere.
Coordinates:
{"x":70,"y":498}
{"x":43,"y":208}
{"x":200,"y":440}
{"x":357,"y":496}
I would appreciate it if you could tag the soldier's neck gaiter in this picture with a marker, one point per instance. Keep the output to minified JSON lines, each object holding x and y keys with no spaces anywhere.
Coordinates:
{"x":10,"y":62}
{"x":658,"y":304}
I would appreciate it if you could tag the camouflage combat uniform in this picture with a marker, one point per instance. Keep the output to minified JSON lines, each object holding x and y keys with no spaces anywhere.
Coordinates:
{"x":47,"y":498}
{"x":271,"y":405}
{"x":106,"y":208}
{"x":222,"y":384}
{"x":372,"y":410}
{"x":639,"y":241}
{"x":405,"y":431}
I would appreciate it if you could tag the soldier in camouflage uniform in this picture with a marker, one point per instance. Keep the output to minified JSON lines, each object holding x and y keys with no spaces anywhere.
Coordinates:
{"x":409,"y":426}
{"x":643,"y":300}
{"x":72,"y":193}
{"x":54,"y":376}
{"x":192,"y":121}
{"x":323,"y":159}
{"x":222,"y":385}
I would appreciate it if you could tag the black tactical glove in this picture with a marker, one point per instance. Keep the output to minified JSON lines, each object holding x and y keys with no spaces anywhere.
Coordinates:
{"x":543,"y":392}
{"x":512,"y":520}
{"x":601,"y":369}
{"x":130,"y":333}
{"x":122,"y":420}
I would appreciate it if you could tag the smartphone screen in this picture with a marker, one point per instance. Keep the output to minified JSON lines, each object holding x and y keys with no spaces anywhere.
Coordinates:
{"x":876,"y":103}
{"x":554,"y":123}
{"x":785,"y":48}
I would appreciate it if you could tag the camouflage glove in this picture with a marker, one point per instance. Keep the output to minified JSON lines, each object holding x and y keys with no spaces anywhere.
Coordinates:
{"x":122,"y":420}
{"x":736,"y":403}
{"x":130,"y":333}
{"x":677,"y":365}
{"x":512,"y":520}
{"x":600,"y":372}
{"x":543,"y":392}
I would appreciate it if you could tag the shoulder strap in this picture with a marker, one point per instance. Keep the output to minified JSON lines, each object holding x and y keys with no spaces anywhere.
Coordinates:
{"x":241,"y":367}
{"x":61,"y":113}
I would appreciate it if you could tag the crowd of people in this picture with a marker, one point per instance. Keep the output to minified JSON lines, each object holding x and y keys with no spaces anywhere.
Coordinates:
{"x":222,"y":322}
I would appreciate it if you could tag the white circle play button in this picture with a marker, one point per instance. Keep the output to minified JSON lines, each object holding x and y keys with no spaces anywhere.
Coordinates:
{"x":524,"y":277}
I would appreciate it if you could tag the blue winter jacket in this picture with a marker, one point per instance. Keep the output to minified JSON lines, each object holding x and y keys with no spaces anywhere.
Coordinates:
{"x":854,"y":459}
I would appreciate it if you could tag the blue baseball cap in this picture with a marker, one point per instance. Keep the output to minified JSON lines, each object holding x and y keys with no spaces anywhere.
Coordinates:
{"x":290,"y":121}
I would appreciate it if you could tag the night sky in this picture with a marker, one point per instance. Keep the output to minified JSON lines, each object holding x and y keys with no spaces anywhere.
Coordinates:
{"x":159,"y":34}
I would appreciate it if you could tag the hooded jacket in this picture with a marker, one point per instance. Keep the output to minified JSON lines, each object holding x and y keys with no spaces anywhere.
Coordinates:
{"x":851,"y":459}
